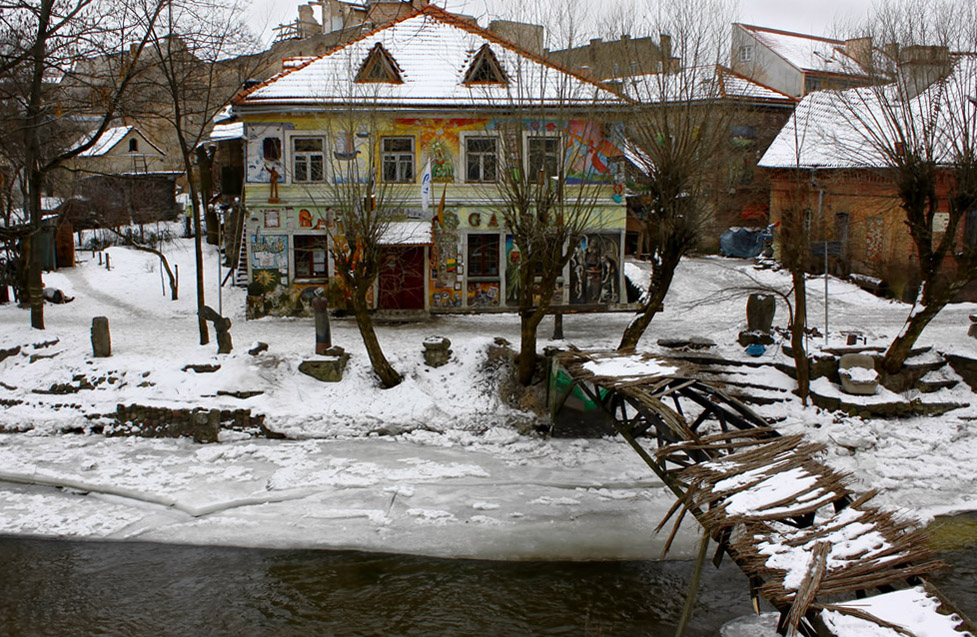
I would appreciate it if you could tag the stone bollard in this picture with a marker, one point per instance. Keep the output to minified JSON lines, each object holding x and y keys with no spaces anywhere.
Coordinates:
{"x":323,"y":336}
{"x":101,"y":339}
{"x":437,"y":351}
{"x":760,"y":310}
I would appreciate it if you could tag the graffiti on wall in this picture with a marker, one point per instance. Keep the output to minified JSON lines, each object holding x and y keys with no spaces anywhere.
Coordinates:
{"x":446,"y":269}
{"x":482,"y":294}
{"x":874,"y":239}
{"x":594,"y":270}
{"x":270,"y":252}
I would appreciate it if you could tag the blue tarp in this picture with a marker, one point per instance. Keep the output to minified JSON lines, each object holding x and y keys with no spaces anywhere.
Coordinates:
{"x":743,"y":243}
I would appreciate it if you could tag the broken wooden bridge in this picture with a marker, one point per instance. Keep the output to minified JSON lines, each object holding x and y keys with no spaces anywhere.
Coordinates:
{"x":820,"y":553}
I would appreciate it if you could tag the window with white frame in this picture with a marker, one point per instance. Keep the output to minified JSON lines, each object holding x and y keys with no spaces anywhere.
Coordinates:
{"x":397,"y":159}
{"x":308,"y":159}
{"x":311,"y":257}
{"x":544,"y":155}
{"x":481,"y":159}
{"x":746,"y":53}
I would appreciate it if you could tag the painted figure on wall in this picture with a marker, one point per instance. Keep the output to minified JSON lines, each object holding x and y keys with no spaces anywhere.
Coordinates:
{"x":512,"y":256}
{"x":595,"y":270}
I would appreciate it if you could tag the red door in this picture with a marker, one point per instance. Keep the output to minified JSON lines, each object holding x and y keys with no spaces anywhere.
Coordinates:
{"x":402,"y":278}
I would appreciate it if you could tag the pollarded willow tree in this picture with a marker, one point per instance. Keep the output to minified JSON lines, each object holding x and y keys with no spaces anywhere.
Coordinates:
{"x":676,"y":138}
{"x":365,"y":197}
{"x":553,"y":185}
{"x":916,"y":127}
{"x":547,"y":207}
{"x":48,"y":85}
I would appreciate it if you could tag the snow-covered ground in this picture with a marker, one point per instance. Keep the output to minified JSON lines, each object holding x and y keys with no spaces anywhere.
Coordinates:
{"x":450,"y":475}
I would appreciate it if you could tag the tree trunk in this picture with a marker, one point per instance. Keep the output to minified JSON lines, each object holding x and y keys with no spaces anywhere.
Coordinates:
{"x":801,"y":362}
{"x":198,"y":253}
{"x":528,"y":327}
{"x":35,"y":177}
{"x":661,"y":280}
{"x":902,"y":345}
{"x":381,"y":366}
{"x":205,"y":163}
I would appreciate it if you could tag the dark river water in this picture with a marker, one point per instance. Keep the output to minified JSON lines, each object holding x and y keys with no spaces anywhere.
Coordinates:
{"x":51,"y":587}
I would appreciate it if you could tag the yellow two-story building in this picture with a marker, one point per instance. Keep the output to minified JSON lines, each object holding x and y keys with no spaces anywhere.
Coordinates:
{"x":433,"y":113}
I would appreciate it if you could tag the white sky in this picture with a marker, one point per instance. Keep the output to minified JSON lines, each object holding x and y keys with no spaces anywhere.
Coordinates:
{"x":815,"y":17}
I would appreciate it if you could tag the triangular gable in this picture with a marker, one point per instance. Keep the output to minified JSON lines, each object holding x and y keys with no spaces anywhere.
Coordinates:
{"x":485,"y":68}
{"x":112,"y":137}
{"x":379,"y":66}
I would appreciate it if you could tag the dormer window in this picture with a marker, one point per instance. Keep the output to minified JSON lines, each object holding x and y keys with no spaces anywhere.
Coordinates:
{"x":379,"y":67}
{"x":485,"y":68}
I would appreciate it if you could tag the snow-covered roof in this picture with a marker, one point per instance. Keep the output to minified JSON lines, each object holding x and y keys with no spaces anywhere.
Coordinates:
{"x":432,"y":51}
{"x":109,"y":139}
{"x":698,"y":83}
{"x":806,"y":52}
{"x":234,"y":130}
{"x":852,"y":128}
{"x":407,"y":233}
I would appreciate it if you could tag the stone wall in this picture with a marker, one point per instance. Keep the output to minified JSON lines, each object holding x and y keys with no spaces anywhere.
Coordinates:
{"x":203,"y":425}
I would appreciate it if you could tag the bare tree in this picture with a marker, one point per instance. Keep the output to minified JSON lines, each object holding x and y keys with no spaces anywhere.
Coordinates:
{"x":917,"y":128}
{"x":363,"y":209}
{"x":550,"y":186}
{"x":42,"y":46}
{"x":545,"y":213}
{"x":676,"y":137}
{"x":196,"y":65}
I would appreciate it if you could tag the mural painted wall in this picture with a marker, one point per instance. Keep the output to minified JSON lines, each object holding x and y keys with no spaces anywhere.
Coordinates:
{"x":347,"y":150}
{"x":265,"y":151}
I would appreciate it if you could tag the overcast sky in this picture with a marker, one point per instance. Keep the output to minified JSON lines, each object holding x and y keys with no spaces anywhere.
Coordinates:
{"x":816,"y":17}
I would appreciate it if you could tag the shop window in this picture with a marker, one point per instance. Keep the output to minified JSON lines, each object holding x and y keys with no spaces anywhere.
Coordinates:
{"x":398,"y":159}
{"x":308,"y":159}
{"x":481,"y":159}
{"x":311,"y":260}
{"x":483,"y":255}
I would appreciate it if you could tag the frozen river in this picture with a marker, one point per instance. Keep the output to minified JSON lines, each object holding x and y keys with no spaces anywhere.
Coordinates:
{"x":54,"y":587}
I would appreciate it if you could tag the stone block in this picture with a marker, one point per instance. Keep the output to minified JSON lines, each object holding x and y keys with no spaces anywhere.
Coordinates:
{"x":329,"y":368}
{"x":857,"y":374}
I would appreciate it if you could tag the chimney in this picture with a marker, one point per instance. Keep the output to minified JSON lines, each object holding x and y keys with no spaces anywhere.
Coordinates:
{"x":892,"y":51}
{"x":665,"y":51}
{"x":860,"y":50}
{"x":921,"y":66}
